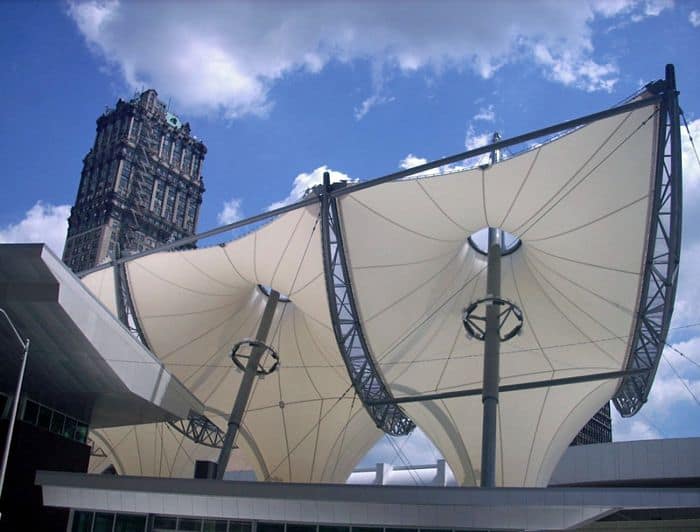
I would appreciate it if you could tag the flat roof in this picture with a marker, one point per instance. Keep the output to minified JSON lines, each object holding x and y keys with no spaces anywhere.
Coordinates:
{"x":389,"y":506}
{"x":82,"y":361}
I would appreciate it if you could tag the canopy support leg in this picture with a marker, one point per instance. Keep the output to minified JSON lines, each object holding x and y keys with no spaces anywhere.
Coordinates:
{"x":492,"y":348}
{"x":246,"y":387}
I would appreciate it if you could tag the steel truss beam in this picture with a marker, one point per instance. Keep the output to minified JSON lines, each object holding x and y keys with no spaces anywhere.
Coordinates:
{"x":200,"y":429}
{"x":660,"y":275}
{"x":347,"y":327}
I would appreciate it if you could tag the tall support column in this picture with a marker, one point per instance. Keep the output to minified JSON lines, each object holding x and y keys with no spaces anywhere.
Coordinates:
{"x":492,"y":348}
{"x":246,"y":387}
{"x":15,"y":400}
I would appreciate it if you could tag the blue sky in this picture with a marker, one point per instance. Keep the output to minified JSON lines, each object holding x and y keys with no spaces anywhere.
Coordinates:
{"x":281,"y":91}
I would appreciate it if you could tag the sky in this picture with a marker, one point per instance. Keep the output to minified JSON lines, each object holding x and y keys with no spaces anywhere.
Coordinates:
{"x":282,"y":91}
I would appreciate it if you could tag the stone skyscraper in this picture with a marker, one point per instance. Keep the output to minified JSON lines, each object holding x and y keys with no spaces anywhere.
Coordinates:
{"x":140,"y":185}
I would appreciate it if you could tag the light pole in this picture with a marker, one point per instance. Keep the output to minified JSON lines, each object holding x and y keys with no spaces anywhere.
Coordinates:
{"x":15,"y":402}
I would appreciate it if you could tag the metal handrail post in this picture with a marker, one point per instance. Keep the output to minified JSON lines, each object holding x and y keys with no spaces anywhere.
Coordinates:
{"x":15,"y":403}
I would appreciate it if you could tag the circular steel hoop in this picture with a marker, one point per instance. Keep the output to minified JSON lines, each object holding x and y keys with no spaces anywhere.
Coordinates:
{"x":475,"y":325}
{"x":241,"y":360}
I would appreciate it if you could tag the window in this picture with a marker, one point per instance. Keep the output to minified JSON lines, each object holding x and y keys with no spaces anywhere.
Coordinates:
{"x":164,"y":523}
{"x":195,"y":166}
{"x":177,"y":153}
{"x":69,"y":428}
{"x":214,"y":526}
{"x":103,"y":522}
{"x":169,"y":204}
{"x":57,"y":423}
{"x":130,"y":523}
{"x":191,"y":214}
{"x":181,"y":204}
{"x":82,"y":521}
{"x":113,"y":173}
{"x":186,"y":160}
{"x":159,"y":195}
{"x":44,"y":420}
{"x":146,"y":195}
{"x":190,"y":524}
{"x":124,"y":178}
{"x":235,"y":526}
{"x":301,"y":528}
{"x":165,"y":153}
{"x":31,"y":411}
{"x":81,"y":432}
{"x":136,"y":130}
{"x":270,"y":527}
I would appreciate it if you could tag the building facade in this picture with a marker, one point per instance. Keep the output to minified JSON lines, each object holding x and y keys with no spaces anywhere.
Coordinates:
{"x":141,"y":184}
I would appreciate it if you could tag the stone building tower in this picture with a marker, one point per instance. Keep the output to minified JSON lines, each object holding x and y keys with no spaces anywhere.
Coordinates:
{"x":140,"y":186}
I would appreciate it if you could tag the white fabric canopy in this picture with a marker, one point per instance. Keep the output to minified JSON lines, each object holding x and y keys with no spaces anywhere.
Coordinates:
{"x":195,"y":305}
{"x":581,"y":206}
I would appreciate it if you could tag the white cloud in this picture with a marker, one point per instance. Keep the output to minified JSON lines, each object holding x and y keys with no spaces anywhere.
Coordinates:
{"x":378,"y":96}
{"x":579,"y":72}
{"x":632,"y":429}
{"x":91,"y":18}
{"x":474,"y":140}
{"x":305,"y":181}
{"x":669,"y":394}
{"x":631,"y":10}
{"x":653,"y":8}
{"x":487,"y":114}
{"x":231,"y":212}
{"x":411,"y":161}
{"x":650,"y":8}
{"x":42,"y":223}
{"x":687,"y":307}
{"x":694,"y":18}
{"x":368,"y":103}
{"x":691,"y":168}
{"x":224,"y":57}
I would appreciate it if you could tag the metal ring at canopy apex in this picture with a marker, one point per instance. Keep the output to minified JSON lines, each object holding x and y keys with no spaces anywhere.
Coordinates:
{"x":511,"y":309}
{"x":261,"y":370}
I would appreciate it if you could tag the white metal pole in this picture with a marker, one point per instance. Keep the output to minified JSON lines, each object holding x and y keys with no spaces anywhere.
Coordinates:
{"x":15,"y":402}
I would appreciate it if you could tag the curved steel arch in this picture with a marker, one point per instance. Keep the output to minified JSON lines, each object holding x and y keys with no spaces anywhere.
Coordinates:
{"x":125,"y":304}
{"x":660,"y":275}
{"x":363,"y":372}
